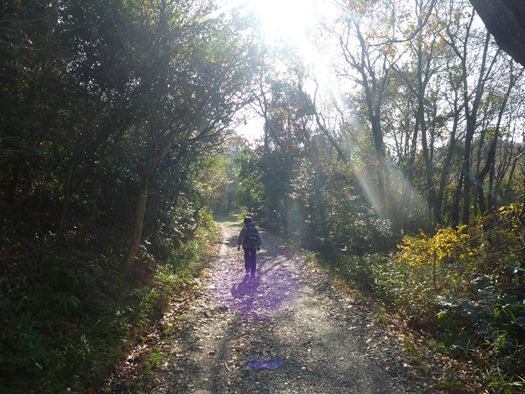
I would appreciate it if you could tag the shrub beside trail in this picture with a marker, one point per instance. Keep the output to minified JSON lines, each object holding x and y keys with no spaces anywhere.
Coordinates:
{"x":465,"y":286}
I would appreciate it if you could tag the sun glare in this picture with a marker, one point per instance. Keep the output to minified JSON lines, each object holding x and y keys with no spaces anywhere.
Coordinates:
{"x":280,"y":19}
{"x":285,"y":19}
{"x":294,"y":23}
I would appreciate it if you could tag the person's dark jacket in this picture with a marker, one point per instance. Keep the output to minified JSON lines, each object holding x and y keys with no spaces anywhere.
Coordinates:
{"x":240,"y":241}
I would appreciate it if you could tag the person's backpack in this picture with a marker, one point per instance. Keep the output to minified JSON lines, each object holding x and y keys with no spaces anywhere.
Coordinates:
{"x":251,"y":237}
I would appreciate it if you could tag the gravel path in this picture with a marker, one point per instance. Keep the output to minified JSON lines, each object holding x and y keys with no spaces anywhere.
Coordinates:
{"x":284,"y":331}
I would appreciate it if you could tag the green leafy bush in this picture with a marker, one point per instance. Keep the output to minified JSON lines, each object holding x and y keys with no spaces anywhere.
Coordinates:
{"x":464,"y":285}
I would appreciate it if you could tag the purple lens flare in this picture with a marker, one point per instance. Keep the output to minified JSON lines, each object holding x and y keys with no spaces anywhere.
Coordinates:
{"x":270,"y":290}
{"x":263,"y":362}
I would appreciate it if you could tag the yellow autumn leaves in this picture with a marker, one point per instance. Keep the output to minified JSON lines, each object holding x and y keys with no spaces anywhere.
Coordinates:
{"x":497,"y":236}
{"x":448,"y":244}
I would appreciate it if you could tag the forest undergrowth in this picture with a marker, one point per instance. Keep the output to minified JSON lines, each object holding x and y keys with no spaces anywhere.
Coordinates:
{"x":70,"y":311}
{"x":463,"y":288}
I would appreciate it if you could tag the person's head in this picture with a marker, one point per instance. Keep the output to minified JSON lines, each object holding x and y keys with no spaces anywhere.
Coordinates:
{"x":248,"y":220}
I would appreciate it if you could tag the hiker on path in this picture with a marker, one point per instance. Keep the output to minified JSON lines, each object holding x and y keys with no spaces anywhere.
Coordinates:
{"x":250,"y":240}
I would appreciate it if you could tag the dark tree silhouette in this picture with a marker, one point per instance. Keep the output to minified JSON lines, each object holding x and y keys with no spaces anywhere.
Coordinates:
{"x":504,"y":20}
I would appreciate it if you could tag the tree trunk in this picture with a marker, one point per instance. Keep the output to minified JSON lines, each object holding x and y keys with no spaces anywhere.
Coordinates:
{"x":480,"y":177}
{"x":471,"y":113}
{"x":466,"y":173}
{"x":446,"y":165}
{"x":422,"y":81}
{"x":380,"y":168}
{"x":457,"y":198}
{"x":138,"y":222}
{"x":429,"y":173}
{"x":492,"y":200}
{"x":522,"y":215}
{"x":511,"y":177}
{"x":491,"y":155}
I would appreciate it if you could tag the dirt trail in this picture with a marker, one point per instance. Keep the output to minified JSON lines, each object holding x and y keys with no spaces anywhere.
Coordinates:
{"x":284,"y":331}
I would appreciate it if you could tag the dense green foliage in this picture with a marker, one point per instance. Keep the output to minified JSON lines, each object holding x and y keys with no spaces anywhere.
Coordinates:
{"x":103,"y":102}
{"x":112,"y":115}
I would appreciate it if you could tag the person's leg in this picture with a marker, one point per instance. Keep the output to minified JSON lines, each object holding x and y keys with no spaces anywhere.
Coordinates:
{"x":247,"y":260}
{"x":253,"y":264}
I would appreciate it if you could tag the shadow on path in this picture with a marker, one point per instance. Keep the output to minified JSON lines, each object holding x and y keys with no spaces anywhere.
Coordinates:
{"x":273,"y":288}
